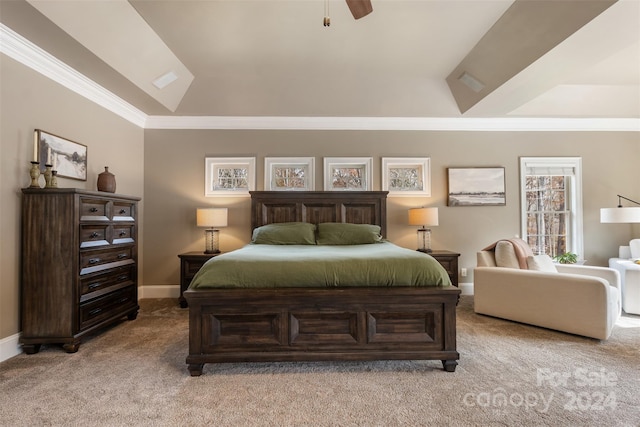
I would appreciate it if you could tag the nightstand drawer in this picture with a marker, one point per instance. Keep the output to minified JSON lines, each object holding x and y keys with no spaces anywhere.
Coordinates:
{"x":449,"y":261}
{"x":190,"y":263}
{"x":191,"y":267}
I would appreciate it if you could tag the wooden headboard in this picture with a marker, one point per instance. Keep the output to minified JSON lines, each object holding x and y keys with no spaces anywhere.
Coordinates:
{"x":355,"y":207}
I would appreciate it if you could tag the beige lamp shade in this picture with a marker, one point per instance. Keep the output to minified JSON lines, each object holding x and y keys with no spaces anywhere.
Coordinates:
{"x":423,"y":216}
{"x":211,"y":217}
{"x":620,"y":215}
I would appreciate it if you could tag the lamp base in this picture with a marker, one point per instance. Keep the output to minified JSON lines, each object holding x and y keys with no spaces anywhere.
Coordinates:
{"x":424,"y":240}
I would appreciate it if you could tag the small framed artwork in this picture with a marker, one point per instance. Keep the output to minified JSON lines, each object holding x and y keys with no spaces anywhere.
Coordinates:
{"x":229,"y":176}
{"x":67,"y":157}
{"x":481,"y":186}
{"x":406,"y":176}
{"x":347,"y":173}
{"x":289,"y":173}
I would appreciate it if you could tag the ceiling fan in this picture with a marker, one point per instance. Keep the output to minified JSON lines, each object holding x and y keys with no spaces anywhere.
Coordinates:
{"x":359,"y":8}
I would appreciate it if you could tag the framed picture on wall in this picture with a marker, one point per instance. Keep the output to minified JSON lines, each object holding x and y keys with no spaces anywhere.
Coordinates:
{"x":406,"y":176}
{"x":289,"y":173}
{"x":67,"y":157}
{"x":481,"y":186}
{"x":347,"y":173}
{"x":229,"y":176}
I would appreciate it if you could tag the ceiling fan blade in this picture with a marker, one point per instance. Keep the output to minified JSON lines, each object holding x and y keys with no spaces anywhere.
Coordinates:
{"x":360,"y":8}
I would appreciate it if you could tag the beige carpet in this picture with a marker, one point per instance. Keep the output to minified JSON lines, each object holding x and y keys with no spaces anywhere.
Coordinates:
{"x":509,"y":375}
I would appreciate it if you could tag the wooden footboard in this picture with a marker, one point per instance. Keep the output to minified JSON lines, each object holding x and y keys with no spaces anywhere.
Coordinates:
{"x":300,"y":324}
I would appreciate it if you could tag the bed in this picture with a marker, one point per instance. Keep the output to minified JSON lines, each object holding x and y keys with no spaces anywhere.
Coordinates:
{"x":365,"y":318}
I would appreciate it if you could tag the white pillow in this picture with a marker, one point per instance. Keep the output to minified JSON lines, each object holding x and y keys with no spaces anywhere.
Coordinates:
{"x":634,"y":245}
{"x":541,"y":263}
{"x":506,"y":256}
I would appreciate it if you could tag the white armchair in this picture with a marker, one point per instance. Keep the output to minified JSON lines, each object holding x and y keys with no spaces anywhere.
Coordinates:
{"x":629,"y":275}
{"x":577,"y":299}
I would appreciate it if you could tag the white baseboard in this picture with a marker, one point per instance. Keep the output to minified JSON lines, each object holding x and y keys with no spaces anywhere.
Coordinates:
{"x":466,"y":288}
{"x":9,"y":347}
{"x":159,"y":291}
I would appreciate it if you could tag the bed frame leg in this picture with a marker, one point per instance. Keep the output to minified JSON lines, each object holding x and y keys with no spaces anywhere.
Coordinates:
{"x":449,"y":365}
{"x":195,"y":369}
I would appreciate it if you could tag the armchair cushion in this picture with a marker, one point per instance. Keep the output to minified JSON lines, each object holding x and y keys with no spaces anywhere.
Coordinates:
{"x":541,"y":263}
{"x":506,"y":255}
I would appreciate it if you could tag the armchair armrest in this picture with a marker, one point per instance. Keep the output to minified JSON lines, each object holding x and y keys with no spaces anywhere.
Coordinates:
{"x":576,"y":303}
{"x":611,"y":275}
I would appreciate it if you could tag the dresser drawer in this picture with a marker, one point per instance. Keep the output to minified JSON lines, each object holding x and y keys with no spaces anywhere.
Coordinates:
{"x":94,"y":261}
{"x":123,"y":211}
{"x":93,"y":209}
{"x":102,"y":308}
{"x":123,"y":233}
{"x":105,"y":280}
{"x":93,"y":235}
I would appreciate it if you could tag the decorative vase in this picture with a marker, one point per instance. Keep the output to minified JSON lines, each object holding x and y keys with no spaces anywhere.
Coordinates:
{"x":107,"y":181}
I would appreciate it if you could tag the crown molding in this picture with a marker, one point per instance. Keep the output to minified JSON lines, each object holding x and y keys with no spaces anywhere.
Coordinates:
{"x":22,"y":50}
{"x":510,"y":124}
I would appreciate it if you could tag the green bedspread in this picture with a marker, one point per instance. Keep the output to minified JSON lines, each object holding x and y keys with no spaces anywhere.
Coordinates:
{"x":271,"y":266}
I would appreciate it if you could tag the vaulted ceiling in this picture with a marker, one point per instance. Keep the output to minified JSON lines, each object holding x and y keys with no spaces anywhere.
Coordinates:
{"x":528,"y":58}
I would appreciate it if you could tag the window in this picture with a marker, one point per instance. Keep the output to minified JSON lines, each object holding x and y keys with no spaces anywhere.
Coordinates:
{"x":551,"y":204}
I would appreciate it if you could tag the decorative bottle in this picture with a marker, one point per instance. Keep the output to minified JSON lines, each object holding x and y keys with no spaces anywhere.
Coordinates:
{"x":107,"y":181}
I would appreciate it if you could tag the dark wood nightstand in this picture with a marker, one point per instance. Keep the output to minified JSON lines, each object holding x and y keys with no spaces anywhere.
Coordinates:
{"x":449,"y":261}
{"x":190,"y":263}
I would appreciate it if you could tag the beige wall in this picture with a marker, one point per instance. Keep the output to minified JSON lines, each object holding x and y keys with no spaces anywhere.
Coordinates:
{"x":29,"y":101}
{"x":166,"y":168}
{"x":174,"y":184}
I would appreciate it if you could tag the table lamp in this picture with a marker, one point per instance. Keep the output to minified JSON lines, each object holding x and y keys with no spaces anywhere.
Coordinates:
{"x":211,"y":217}
{"x":424,"y":217}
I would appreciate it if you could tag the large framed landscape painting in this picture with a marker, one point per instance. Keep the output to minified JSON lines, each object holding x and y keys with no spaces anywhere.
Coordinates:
{"x":481,"y":186}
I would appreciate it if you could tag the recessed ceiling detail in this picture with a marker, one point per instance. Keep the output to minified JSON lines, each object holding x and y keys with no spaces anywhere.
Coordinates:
{"x":115,"y":32}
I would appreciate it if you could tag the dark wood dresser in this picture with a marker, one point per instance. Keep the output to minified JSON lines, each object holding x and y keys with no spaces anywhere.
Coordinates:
{"x":79,"y":264}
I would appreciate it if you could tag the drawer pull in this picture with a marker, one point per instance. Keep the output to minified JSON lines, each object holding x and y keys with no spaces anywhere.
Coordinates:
{"x":93,"y":210}
{"x":121,"y":300}
{"x":122,"y":256}
{"x":95,"y":285}
{"x":122,"y":211}
{"x":123,"y":277}
{"x":94,"y":260}
{"x":94,"y":235}
{"x":123,"y":233}
{"x":95,"y":311}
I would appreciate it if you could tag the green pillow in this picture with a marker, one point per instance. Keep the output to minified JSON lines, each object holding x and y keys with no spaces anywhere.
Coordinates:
{"x":337,"y":233}
{"x":285,"y":233}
